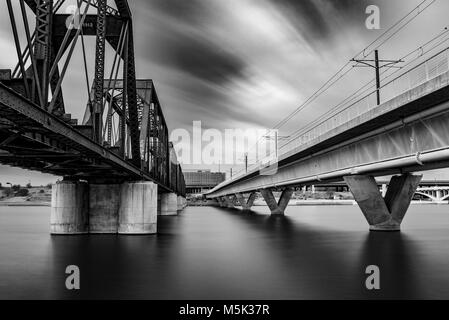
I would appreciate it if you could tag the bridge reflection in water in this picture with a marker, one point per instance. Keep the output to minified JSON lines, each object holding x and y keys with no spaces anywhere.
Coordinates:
{"x":214,"y":253}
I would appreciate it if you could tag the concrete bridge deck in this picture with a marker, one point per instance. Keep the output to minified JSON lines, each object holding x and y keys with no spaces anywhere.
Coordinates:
{"x":405,"y":134}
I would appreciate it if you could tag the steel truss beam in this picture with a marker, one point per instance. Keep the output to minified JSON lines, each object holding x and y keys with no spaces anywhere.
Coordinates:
{"x":16,"y":108}
{"x":137,"y":144}
{"x":42,"y":43}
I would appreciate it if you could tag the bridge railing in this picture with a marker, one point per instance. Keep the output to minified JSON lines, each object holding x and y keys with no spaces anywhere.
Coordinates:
{"x":423,"y":72}
{"x":433,"y":67}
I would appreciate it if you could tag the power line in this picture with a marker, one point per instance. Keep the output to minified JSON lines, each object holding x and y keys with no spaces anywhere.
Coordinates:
{"x":336,"y":109}
{"x":329,"y":83}
{"x":417,"y":8}
{"x":318,"y":92}
{"x":378,"y":64}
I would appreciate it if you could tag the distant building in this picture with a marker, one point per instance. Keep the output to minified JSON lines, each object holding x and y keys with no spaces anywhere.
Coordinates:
{"x":202,"y":180}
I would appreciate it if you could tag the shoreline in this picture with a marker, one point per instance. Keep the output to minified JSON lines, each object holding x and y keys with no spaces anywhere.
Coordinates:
{"x":312,"y":202}
{"x":24,"y":204}
{"x":259,"y":204}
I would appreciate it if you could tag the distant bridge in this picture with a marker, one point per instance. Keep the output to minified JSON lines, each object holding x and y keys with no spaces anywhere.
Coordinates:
{"x":409,"y":132}
{"x":119,"y":168}
{"x":436,"y":194}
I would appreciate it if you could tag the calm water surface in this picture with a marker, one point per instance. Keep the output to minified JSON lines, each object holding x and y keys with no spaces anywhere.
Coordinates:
{"x":314,"y":252}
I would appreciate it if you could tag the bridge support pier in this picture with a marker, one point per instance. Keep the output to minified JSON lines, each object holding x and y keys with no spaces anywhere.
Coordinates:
{"x":169,"y":204}
{"x":246,"y":203}
{"x":104,"y":205}
{"x":384,"y":214}
{"x":181,"y":203}
{"x":69,"y":208}
{"x":229,"y":201}
{"x":277,"y":208}
{"x":138,"y":208}
{"x":221,"y":202}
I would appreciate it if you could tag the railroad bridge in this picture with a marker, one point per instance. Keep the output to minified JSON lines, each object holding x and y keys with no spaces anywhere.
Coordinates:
{"x":118,"y":166}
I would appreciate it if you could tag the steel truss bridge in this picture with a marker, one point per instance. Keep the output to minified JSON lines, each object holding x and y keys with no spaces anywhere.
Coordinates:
{"x":123,"y":135}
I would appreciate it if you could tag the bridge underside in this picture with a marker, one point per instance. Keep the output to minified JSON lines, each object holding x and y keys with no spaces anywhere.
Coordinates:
{"x":119,"y":167}
{"x":31,"y":138}
{"x":407,"y":134}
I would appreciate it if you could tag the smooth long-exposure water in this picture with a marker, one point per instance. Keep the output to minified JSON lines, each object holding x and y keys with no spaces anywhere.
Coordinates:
{"x":314,"y":252}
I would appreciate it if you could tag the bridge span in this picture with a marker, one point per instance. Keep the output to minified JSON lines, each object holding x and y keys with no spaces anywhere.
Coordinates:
{"x":406,"y":133}
{"x":119,"y":167}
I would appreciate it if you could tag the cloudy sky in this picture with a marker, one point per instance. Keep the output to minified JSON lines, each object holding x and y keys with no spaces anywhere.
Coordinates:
{"x":245,"y":63}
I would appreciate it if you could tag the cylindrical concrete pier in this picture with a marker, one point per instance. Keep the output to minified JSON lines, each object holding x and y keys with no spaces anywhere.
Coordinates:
{"x":180,"y":203}
{"x":138,"y":208}
{"x":104,"y":203}
{"x":69,"y":208}
{"x":169,"y":204}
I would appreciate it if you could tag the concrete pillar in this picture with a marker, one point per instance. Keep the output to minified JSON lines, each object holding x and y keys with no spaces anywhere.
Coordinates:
{"x":384,"y":214}
{"x":384,"y":189}
{"x":181,"y":203}
{"x":104,"y":203}
{"x":246,"y":203}
{"x":138,"y":208}
{"x":230,"y":202}
{"x":221,"y":202}
{"x":277,"y":208}
{"x":69,"y":208}
{"x":158,"y":205}
{"x":169,"y":204}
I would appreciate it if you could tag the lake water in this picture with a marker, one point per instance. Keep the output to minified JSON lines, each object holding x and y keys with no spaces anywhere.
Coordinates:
{"x":314,"y":252}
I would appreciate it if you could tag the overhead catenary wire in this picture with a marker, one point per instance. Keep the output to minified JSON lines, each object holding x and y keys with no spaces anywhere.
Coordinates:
{"x":415,"y":9}
{"x":365,"y":87}
{"x":291,"y":115}
{"x":337,"y":76}
{"x":335,"y":112}
{"x":375,"y":44}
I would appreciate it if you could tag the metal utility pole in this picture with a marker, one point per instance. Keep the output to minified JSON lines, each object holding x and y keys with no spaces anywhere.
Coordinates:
{"x":276,"y":144}
{"x":246,"y":162}
{"x":276,"y":139}
{"x":378,"y":64}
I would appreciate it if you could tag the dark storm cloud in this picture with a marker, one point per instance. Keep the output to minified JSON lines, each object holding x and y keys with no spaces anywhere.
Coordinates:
{"x":183,"y":43}
{"x":191,"y":10}
{"x":311,"y":17}
{"x":200,"y":58}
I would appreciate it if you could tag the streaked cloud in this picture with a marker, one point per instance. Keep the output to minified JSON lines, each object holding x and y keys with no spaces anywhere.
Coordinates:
{"x":247,"y":63}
